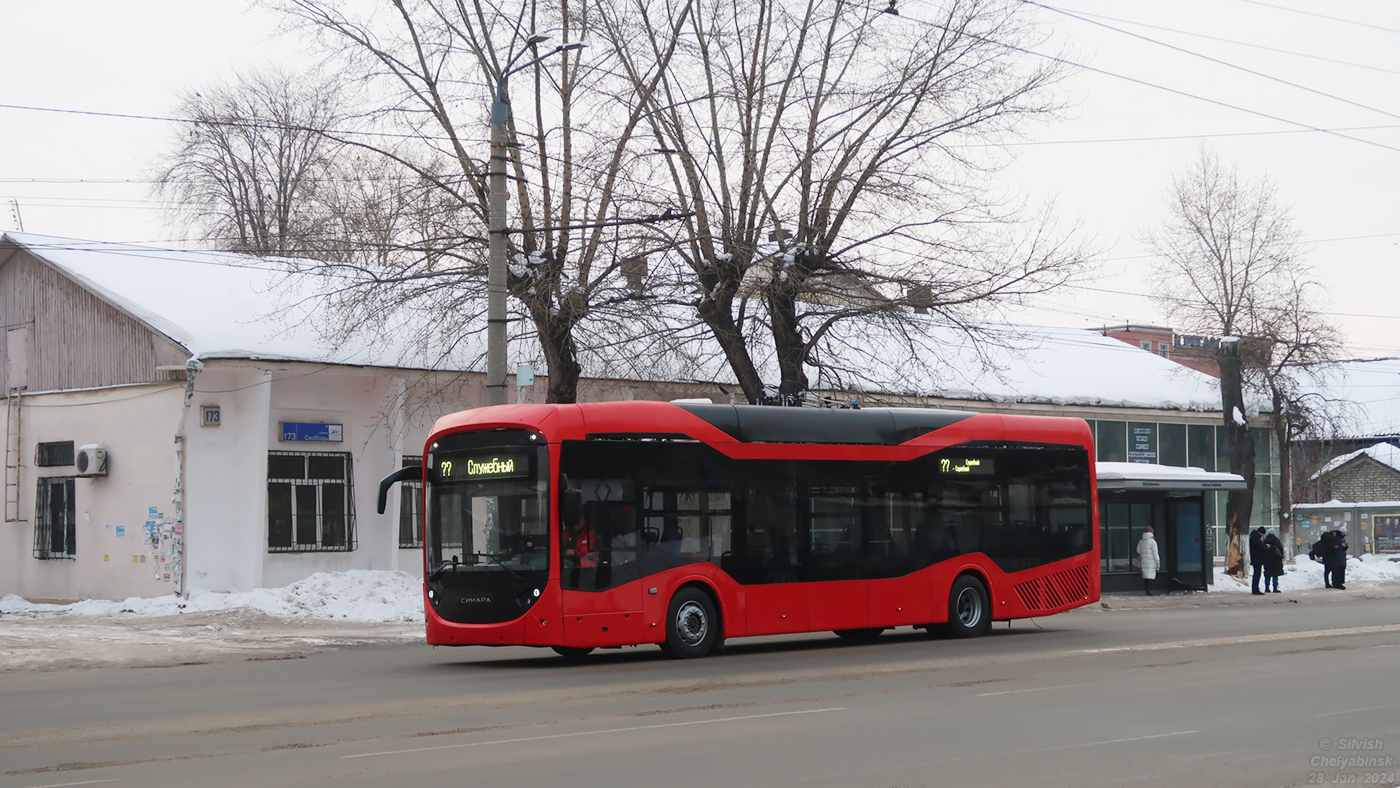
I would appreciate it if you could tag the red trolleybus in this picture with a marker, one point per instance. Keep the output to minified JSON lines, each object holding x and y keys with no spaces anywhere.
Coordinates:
{"x":623,"y":523}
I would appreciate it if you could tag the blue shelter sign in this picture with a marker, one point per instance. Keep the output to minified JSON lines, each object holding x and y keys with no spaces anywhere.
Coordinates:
{"x":312,"y":433}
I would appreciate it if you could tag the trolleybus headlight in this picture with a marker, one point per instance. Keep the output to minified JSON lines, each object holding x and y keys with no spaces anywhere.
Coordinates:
{"x":537,"y":592}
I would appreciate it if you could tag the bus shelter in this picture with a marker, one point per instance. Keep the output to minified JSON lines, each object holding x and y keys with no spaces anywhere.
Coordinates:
{"x":1173,"y":501}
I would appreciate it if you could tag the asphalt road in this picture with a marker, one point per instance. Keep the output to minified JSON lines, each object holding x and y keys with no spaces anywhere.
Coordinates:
{"x":1260,"y":693}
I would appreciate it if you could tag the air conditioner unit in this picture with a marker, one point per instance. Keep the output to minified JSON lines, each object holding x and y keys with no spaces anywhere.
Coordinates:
{"x":91,"y":460}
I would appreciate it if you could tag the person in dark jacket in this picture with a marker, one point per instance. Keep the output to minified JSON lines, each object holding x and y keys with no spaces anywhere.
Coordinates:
{"x":1322,"y":553}
{"x":1273,"y":561}
{"x":1338,"y":559}
{"x":1256,"y":558}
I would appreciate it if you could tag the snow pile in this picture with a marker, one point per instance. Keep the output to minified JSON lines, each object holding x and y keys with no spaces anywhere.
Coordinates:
{"x":1304,"y":574}
{"x":358,"y":595}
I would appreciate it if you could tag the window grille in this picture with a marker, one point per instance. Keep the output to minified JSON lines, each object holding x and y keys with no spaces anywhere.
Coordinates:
{"x":55,"y":523}
{"x":310,"y":502}
{"x":53,"y":455}
{"x":411,"y":508}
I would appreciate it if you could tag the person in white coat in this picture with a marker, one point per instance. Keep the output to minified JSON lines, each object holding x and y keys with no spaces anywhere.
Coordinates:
{"x":1148,"y":558}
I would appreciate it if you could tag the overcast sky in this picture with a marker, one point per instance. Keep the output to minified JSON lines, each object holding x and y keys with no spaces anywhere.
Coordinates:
{"x":1140,"y":110}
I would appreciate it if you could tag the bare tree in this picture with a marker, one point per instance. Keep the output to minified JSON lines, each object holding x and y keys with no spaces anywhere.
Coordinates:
{"x":1229,"y":260}
{"x":245,"y":170}
{"x":1297,"y":347}
{"x":580,"y":204}
{"x":833,"y":157}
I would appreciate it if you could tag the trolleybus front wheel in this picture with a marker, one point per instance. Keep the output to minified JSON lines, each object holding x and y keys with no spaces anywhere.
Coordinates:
{"x":692,"y":626}
{"x":969,"y":613}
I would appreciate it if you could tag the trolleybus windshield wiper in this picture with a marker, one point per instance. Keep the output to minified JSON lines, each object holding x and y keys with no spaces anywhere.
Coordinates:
{"x":496,"y":559}
{"x":442,"y":567}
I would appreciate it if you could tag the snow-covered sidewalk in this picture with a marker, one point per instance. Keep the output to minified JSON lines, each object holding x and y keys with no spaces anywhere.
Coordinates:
{"x":1304,"y":574}
{"x":356,"y":596}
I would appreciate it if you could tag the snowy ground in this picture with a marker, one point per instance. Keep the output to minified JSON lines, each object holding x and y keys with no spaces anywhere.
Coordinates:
{"x":323,"y":611}
{"x":1304,"y":574}
{"x":360,"y":595}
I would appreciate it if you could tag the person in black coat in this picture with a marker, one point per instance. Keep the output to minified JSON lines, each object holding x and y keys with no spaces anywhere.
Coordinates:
{"x":1273,"y":561}
{"x":1322,"y":553}
{"x":1338,"y":559}
{"x":1256,"y":558}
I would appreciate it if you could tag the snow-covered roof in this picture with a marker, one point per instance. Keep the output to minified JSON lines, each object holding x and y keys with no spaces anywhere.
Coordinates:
{"x":1336,"y":504}
{"x":1384,"y":453}
{"x":1023,"y":363}
{"x":223,"y":305}
{"x":217,"y":305}
{"x":1147,"y":476}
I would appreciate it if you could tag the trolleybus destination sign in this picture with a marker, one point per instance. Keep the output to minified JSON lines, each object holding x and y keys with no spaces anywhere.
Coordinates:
{"x":483,"y":466}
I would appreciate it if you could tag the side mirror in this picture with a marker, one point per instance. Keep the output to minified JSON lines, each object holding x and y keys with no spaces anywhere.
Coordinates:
{"x":411,"y":472}
{"x":570,"y":506}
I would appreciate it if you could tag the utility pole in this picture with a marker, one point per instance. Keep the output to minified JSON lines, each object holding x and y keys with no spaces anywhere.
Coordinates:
{"x":496,"y":224}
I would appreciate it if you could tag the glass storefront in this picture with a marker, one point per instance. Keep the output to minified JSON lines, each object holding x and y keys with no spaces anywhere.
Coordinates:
{"x":1198,"y":446}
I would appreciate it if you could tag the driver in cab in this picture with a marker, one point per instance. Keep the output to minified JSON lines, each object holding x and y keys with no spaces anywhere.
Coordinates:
{"x":577,"y":543}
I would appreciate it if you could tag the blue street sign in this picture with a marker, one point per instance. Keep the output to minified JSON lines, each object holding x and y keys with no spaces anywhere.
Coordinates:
{"x":313,"y":433}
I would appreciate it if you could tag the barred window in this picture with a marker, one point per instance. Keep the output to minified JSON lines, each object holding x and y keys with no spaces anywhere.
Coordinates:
{"x":52,"y":455}
{"x":310,"y":502}
{"x":411,"y":508}
{"x":55,"y":523}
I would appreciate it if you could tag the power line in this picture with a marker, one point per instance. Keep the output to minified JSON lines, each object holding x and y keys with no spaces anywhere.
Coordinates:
{"x":242,"y":124}
{"x":1322,"y":16}
{"x":1187,"y":300}
{"x":1191,"y":136}
{"x":1300,"y":242}
{"x":1237,"y":42}
{"x":1215,"y":60}
{"x":1145,"y":83}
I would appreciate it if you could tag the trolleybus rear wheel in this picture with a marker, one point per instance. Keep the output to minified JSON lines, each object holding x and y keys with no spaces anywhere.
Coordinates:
{"x":969,"y":613}
{"x":572,"y":652}
{"x":692,"y":626}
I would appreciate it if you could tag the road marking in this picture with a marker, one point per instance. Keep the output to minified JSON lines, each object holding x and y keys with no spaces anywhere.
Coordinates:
{"x":1047,"y":689}
{"x":594,"y":733}
{"x":84,"y":782}
{"x":1240,"y":640}
{"x":1112,"y":741}
{"x":1356,"y":711}
{"x":1113,"y":681}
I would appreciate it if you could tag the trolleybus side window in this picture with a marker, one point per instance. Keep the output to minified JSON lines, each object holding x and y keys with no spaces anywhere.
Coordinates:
{"x":659,"y":504}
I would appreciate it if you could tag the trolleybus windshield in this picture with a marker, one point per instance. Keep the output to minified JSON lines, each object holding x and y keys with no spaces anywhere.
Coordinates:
{"x":488,"y":524}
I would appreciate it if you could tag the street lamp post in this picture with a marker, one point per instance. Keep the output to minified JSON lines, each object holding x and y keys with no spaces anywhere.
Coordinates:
{"x":496,"y":224}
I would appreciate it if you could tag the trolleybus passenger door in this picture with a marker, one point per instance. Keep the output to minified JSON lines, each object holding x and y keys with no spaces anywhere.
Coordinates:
{"x":602,"y":590}
{"x":775,"y":557}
